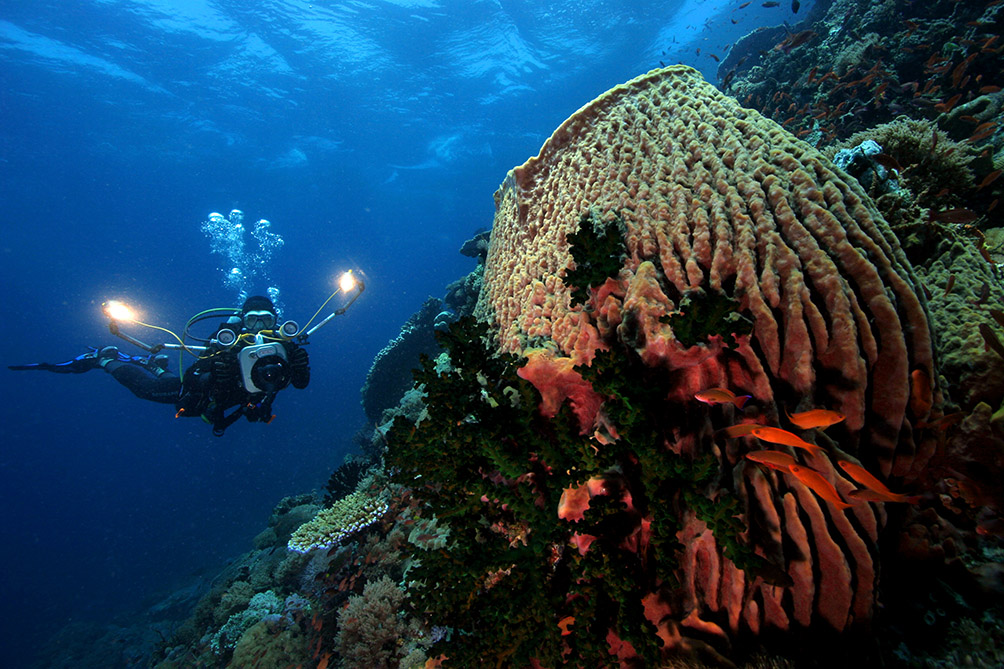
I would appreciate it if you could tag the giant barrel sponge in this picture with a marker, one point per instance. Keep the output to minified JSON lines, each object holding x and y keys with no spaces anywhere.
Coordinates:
{"x":715,"y":200}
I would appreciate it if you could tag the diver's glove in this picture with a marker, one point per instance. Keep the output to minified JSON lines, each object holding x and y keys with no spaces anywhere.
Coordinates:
{"x":300,"y":363}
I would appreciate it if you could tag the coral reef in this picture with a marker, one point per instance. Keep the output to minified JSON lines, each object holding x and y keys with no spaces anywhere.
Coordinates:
{"x":865,"y":64}
{"x":258,"y":607}
{"x":713,"y":200}
{"x":560,"y":495}
{"x":390,"y":374}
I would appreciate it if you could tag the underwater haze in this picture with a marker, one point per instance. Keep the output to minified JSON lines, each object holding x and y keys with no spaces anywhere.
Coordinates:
{"x":371,"y":135}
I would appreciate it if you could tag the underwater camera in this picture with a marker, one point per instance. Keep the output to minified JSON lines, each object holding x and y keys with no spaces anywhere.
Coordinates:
{"x":264,"y":367}
{"x":262,"y":358}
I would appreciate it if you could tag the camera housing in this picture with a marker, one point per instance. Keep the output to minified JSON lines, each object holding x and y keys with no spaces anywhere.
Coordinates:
{"x":264,"y":367}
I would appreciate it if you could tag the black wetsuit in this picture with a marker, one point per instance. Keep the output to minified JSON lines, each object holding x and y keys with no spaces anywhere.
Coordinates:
{"x":212,"y":386}
{"x":144,"y":384}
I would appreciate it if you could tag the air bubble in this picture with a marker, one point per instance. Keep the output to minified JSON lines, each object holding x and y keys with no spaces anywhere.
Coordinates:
{"x":247,"y":261}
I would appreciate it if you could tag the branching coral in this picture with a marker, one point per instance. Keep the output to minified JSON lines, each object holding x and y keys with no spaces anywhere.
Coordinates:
{"x":333,"y":525}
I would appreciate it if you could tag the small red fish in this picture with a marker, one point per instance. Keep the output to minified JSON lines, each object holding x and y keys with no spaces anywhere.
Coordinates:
{"x":921,"y":397}
{"x":984,"y":295}
{"x":958,"y":215}
{"x":887,"y":161}
{"x":990,"y":340}
{"x":818,"y":484}
{"x":944,"y":422}
{"x":950,"y":284}
{"x":740,"y":430}
{"x":776,"y":435}
{"x":778,"y":460}
{"x":873,"y":496}
{"x":946,"y":106}
{"x":876,"y":490}
{"x":794,"y":40}
{"x":863,"y":477}
{"x":979,"y":134}
{"x":989,"y":179}
{"x":722,"y":396}
{"x":821,"y":418}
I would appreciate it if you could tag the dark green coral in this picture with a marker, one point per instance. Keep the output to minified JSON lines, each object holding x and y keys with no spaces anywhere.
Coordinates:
{"x":509,"y":572}
{"x":598,"y":250}
{"x":487,"y":464}
{"x":702,"y":314}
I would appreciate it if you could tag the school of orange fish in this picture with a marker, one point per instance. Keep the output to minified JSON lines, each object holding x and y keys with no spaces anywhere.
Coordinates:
{"x":871,"y":488}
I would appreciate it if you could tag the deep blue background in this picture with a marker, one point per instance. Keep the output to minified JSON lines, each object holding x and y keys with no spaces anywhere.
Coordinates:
{"x":371,"y":134}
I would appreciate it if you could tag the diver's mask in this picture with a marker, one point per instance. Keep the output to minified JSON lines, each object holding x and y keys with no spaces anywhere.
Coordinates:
{"x":256,"y":321}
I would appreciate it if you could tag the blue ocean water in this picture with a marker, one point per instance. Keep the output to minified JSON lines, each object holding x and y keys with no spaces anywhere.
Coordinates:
{"x":370,"y":134}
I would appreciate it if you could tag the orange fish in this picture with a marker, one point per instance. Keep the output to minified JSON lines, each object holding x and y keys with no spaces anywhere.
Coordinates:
{"x":722,"y":396}
{"x":778,"y":460}
{"x":873,"y":496}
{"x":946,"y":106}
{"x":821,"y":418}
{"x":942,"y":423}
{"x":920,"y":392}
{"x":815,"y":482}
{"x":990,"y":340}
{"x":740,"y":430}
{"x":876,"y":490}
{"x":776,"y":435}
{"x":989,"y":179}
{"x":863,"y":477}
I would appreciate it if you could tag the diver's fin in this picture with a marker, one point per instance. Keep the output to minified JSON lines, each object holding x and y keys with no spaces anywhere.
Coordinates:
{"x":82,"y":363}
{"x":62,"y":367}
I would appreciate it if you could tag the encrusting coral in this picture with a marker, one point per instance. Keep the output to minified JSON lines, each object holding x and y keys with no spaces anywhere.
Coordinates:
{"x":714,"y":198}
{"x":718,"y":202}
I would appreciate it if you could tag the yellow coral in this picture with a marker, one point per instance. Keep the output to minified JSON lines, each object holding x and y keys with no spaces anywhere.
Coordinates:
{"x":331,"y":526}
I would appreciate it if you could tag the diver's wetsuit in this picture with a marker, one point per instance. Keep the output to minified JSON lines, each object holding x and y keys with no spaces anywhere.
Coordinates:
{"x":212,"y":385}
{"x":144,"y":384}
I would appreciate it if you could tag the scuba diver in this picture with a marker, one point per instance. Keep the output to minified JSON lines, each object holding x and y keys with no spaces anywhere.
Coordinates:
{"x":240,"y":368}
